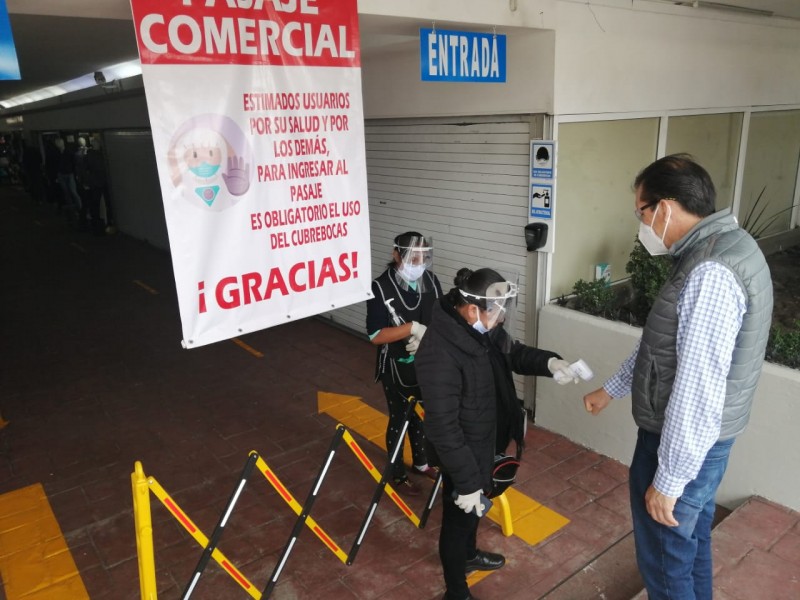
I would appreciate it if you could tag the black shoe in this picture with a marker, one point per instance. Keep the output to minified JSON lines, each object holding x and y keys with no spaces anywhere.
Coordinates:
{"x":485,"y":561}
{"x":406,"y":487}
{"x":469,"y":597}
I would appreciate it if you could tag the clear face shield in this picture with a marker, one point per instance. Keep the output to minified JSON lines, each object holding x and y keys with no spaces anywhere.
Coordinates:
{"x":499,"y":314}
{"x":415,"y":257}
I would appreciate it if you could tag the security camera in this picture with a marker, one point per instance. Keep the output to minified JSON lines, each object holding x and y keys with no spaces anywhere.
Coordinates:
{"x":99,"y":78}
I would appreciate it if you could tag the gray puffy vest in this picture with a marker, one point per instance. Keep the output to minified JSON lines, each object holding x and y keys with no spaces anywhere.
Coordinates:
{"x":716,"y":238}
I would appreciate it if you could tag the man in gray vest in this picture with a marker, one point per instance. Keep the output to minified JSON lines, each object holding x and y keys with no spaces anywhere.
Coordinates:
{"x":693,"y":374}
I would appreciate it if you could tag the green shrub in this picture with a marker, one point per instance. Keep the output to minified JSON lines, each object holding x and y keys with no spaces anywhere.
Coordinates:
{"x":596,"y":298}
{"x":648,"y":274}
{"x":783,"y":346}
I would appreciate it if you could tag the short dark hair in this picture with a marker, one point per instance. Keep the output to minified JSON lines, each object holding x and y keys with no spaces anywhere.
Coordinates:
{"x":472,"y":282}
{"x":678,"y":177}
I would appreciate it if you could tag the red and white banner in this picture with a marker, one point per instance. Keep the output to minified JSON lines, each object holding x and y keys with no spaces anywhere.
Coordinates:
{"x":258,"y":128}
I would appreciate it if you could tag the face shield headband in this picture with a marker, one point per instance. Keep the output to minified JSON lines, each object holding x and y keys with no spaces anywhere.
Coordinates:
{"x":499,"y":302}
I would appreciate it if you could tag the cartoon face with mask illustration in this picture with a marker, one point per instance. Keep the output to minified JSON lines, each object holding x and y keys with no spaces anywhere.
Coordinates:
{"x":203,"y":161}
{"x":206,"y":168}
{"x":203,"y":154}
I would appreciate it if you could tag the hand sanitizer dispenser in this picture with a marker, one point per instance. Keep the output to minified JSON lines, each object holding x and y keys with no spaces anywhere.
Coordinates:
{"x":535,"y":236}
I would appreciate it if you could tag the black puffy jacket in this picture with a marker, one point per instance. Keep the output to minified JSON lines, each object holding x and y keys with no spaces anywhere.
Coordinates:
{"x":455,"y":374}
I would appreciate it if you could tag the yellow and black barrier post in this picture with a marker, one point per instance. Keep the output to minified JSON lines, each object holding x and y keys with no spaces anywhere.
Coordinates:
{"x":382,"y":484}
{"x":144,"y":533}
{"x":146,"y":558}
{"x":298,"y":509}
{"x":303,"y":516}
{"x":423,"y":520}
{"x":376,"y":496}
{"x":376,"y":475}
{"x":217,"y":533}
{"x":142,"y":485}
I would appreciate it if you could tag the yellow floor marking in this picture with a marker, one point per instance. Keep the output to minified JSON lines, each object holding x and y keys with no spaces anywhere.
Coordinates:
{"x":144,"y":286}
{"x":352,"y":412}
{"x":531,"y":521}
{"x":477,"y":576}
{"x":35,"y":562}
{"x":250,"y":349}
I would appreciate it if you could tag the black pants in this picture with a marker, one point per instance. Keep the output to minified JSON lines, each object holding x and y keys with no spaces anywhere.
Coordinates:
{"x":94,"y":196}
{"x":396,"y":395}
{"x":457,"y":542}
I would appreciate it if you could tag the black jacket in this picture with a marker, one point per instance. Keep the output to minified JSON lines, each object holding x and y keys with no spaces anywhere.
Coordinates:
{"x":384,"y":287}
{"x":462,"y":390}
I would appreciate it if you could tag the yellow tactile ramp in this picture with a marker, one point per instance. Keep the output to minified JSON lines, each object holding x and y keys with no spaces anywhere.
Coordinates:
{"x":35,"y":561}
{"x":531,"y":521}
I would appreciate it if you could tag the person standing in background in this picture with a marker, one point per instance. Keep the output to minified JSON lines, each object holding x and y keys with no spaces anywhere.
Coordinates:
{"x":397,"y":316}
{"x":65,"y":176}
{"x":94,"y":180}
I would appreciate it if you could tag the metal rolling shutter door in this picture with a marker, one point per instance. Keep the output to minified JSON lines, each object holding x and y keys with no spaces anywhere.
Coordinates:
{"x":462,"y":180}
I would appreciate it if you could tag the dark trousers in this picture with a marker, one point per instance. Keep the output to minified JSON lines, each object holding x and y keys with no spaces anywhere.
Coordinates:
{"x":94,"y":196}
{"x":396,"y":399}
{"x":457,"y":542}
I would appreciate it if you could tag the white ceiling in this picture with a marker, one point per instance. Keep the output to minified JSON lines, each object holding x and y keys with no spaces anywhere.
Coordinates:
{"x":59,"y":40}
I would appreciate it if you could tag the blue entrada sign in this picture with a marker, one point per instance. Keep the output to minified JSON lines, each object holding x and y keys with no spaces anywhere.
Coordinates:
{"x":462,"y":56}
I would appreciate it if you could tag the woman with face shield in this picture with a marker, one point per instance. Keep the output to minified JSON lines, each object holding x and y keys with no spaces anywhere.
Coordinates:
{"x":397,"y":316}
{"x":472,"y":413}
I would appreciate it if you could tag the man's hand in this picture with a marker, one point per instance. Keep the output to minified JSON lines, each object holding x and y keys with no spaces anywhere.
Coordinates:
{"x":660,"y":507}
{"x":596,"y":401}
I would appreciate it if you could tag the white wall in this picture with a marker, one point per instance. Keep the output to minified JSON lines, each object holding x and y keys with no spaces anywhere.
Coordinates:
{"x":635,"y":56}
{"x":391,"y":57}
{"x":764,"y":458}
{"x":392,"y":85}
{"x":503,"y":13}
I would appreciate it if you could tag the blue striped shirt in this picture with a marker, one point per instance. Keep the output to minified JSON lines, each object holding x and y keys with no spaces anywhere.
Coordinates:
{"x":710,"y":308}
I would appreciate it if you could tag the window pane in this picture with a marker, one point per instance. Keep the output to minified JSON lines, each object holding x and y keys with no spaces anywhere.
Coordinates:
{"x":713,"y":140}
{"x":773,"y":147}
{"x":597,"y":163}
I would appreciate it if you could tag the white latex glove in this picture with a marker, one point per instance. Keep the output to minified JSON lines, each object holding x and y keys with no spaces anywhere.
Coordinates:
{"x":412,"y":345}
{"x":470,"y":502}
{"x":562,"y":372}
{"x":418,"y":330}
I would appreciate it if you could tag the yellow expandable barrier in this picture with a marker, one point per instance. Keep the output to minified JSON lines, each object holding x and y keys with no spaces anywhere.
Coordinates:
{"x":144,"y":536}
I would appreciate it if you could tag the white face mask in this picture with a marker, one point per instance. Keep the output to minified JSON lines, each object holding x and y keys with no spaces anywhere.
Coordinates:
{"x":411,"y":272}
{"x":478,"y":325}
{"x":652,"y":243}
